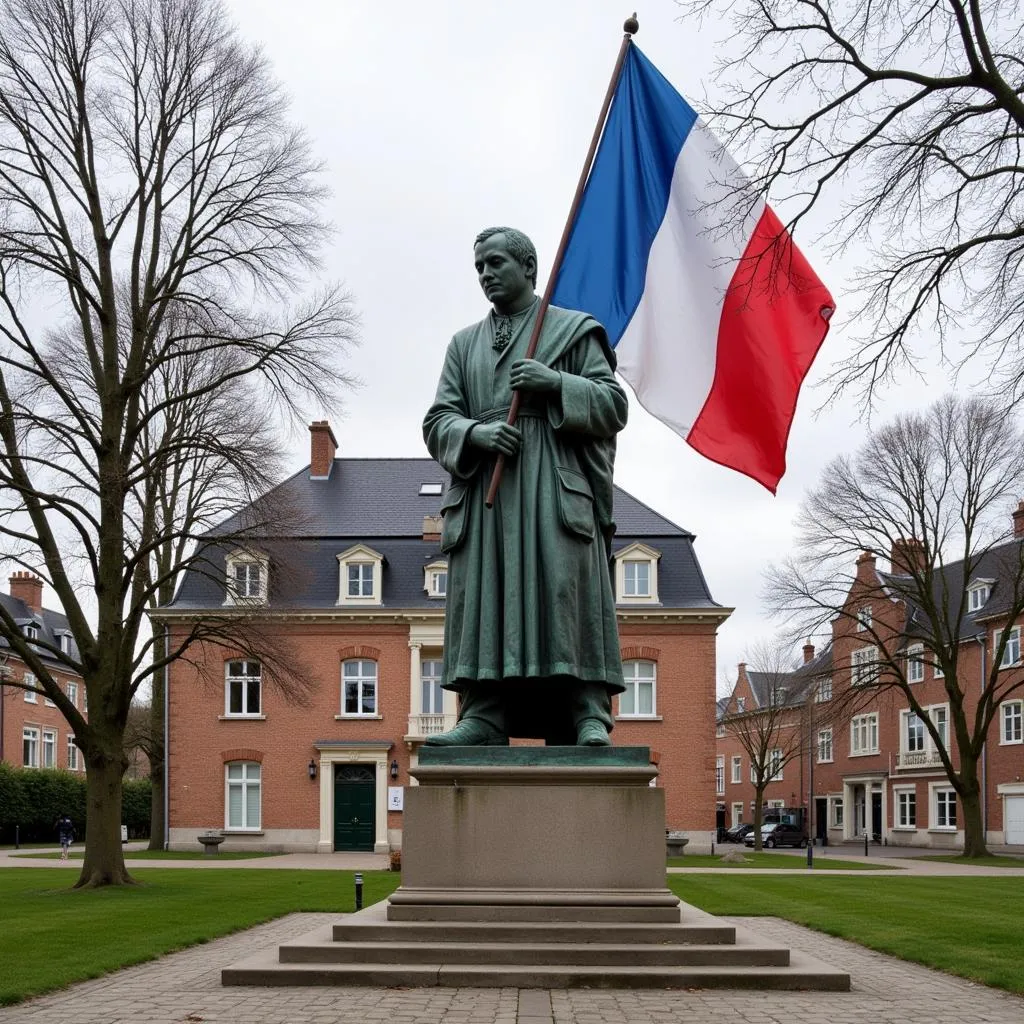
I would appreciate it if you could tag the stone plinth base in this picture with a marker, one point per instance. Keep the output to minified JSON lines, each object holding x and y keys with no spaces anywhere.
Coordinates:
{"x":553,"y":829}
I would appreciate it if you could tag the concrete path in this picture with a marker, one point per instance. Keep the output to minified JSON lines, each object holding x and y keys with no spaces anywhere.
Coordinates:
{"x":184,"y":988}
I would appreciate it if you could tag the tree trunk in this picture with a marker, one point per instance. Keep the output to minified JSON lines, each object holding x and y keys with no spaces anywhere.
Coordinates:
{"x":758,"y":816}
{"x":971,"y":809}
{"x":104,"y":856}
{"x":156,"y":764}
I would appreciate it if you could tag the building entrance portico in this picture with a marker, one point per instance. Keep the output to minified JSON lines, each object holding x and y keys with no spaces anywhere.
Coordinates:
{"x":353,"y":777}
{"x":864,"y":810}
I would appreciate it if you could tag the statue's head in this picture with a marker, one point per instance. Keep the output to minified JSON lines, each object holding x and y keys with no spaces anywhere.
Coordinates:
{"x":506,"y":265}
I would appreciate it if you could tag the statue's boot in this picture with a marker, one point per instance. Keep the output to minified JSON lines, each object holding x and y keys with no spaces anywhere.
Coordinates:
{"x":592,"y":733}
{"x":470,"y":732}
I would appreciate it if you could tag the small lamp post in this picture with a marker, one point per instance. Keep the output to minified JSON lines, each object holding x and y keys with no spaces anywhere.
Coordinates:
{"x":359,"y":890}
{"x":311,"y":768}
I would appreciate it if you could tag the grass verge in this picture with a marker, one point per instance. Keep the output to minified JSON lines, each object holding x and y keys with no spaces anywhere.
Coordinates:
{"x":774,"y":860}
{"x":53,"y":935}
{"x":971,"y":927}
{"x":153,"y":855}
{"x":993,"y":860}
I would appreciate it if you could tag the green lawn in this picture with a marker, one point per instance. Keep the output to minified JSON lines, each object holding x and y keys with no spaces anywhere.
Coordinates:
{"x":993,"y":860}
{"x":775,"y":860}
{"x":52,"y":935}
{"x":153,"y":855}
{"x":969,"y":926}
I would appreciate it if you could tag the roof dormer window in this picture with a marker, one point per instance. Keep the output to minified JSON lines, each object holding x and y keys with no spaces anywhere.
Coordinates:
{"x":247,"y":578}
{"x":361,"y":575}
{"x":435,"y":581}
{"x":636,"y":575}
{"x":978,"y":594}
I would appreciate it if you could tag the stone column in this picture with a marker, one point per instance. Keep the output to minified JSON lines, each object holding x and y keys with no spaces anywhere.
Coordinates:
{"x":415,"y":673}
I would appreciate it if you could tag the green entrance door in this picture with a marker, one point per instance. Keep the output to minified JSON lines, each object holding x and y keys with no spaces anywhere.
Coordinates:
{"x":354,"y":790}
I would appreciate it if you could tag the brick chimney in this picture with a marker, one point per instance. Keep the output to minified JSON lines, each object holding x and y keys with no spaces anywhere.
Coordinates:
{"x":432,"y":528}
{"x":906,"y":554}
{"x":1018,"y":521}
{"x":808,"y":652}
{"x":323,"y":446}
{"x":27,"y":587}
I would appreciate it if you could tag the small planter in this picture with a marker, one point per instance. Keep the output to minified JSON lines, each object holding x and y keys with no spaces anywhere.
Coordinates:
{"x":211,"y":843}
{"x":674,"y":843}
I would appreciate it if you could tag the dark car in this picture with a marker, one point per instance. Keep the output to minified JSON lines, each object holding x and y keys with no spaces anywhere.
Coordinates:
{"x":737,"y":833}
{"x":778,"y":834}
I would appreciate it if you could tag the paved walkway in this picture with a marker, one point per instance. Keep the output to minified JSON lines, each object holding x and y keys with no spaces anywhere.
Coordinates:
{"x":184,"y":988}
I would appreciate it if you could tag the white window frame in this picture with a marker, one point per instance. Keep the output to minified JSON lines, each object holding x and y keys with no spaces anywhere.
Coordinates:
{"x":1011,"y":652}
{"x":720,"y":775}
{"x":737,"y":813}
{"x":978,"y":595}
{"x":73,"y":753}
{"x":429,"y":683}
{"x":360,"y":555}
{"x":825,"y":751}
{"x":636,"y":554}
{"x":30,"y":755}
{"x":737,"y":769}
{"x":741,"y":705}
{"x":48,"y":749}
{"x":435,"y":580}
{"x":919,"y":736}
{"x":1011,"y":722}
{"x":864,"y":726}
{"x":836,"y":812}
{"x":236,"y":560}
{"x":720,"y":731}
{"x":636,"y":577}
{"x":775,"y":766}
{"x":30,"y":631}
{"x":244,"y":783}
{"x":368,"y":684}
{"x":940,"y":796}
{"x":864,"y":618}
{"x":247,"y":680}
{"x":633,"y":683}
{"x":902,"y":805}
{"x":71,"y":689}
{"x":864,"y":666}
{"x":29,"y":679}
{"x":823,"y":691}
{"x":915,"y":663}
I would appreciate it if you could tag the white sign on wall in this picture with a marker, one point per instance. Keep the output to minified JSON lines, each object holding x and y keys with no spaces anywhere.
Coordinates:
{"x":396,"y":796}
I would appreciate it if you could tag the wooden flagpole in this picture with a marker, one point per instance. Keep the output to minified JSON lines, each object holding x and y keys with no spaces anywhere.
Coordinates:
{"x":630,"y":28}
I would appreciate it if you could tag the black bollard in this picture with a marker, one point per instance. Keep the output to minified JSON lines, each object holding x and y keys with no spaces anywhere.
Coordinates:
{"x":359,"y":890}
{"x":865,"y":844}
{"x":17,"y":837}
{"x":810,"y":853}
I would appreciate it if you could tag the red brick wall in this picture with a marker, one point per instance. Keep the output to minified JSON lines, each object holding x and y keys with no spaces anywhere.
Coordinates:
{"x":17,"y":713}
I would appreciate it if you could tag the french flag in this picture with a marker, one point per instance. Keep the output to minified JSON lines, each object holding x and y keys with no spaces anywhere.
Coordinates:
{"x":714,"y":314}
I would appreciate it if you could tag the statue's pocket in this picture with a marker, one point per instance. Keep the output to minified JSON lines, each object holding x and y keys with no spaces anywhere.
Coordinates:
{"x":575,"y":503}
{"x":453,"y":512}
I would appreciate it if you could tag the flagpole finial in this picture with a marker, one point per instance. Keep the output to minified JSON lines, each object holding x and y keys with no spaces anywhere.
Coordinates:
{"x":632,"y":26}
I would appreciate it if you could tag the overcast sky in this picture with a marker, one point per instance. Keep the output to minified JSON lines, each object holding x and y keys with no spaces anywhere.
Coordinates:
{"x":438,"y":119}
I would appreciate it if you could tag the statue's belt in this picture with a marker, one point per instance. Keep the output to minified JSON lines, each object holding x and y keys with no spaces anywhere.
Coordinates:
{"x":525,"y":412}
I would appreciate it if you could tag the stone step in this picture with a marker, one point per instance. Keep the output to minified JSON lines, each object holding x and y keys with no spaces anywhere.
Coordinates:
{"x":527,"y":954}
{"x":703,"y":934}
{"x":472,"y":912}
{"x":802,"y":973}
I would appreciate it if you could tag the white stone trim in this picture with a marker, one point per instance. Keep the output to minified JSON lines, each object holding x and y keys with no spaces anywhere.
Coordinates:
{"x":366,"y":753}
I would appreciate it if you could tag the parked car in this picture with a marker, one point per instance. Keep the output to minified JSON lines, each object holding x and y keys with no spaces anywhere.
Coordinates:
{"x":737,"y":833}
{"x":778,"y":834}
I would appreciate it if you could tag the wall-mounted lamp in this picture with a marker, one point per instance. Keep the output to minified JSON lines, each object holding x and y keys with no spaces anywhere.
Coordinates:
{"x":394,"y":769}
{"x":311,"y":768}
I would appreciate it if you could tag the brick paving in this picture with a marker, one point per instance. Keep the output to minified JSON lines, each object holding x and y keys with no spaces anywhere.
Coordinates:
{"x":184,"y":988}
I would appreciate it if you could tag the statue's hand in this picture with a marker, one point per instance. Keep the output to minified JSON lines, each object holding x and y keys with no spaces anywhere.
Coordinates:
{"x":496,"y":437}
{"x":529,"y":375}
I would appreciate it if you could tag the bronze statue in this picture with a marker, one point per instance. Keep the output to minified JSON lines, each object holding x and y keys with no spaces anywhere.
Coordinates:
{"x":531,"y":639}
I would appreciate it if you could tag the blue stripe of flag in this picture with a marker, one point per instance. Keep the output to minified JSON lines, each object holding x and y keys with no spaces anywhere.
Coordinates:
{"x":624,"y":203}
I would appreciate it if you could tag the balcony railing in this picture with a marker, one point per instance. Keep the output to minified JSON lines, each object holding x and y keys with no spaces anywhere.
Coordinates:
{"x":918,"y":759}
{"x":430,"y":725}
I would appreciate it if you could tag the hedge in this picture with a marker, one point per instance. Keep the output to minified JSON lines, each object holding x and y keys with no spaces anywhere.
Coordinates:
{"x":34,"y":798}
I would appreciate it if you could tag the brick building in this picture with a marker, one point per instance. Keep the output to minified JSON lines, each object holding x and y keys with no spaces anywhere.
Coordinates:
{"x":358,"y":592}
{"x":33,"y":732}
{"x":876,"y":767}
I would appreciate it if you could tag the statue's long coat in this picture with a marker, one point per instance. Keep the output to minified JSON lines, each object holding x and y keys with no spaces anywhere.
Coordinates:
{"x":529,"y":587}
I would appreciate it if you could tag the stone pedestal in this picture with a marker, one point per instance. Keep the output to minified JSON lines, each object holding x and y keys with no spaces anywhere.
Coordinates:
{"x":534,"y":833}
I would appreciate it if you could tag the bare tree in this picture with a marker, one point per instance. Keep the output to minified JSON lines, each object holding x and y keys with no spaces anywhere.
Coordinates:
{"x":774,"y":730}
{"x":907,"y":119}
{"x":931,"y":494}
{"x":156,"y":200}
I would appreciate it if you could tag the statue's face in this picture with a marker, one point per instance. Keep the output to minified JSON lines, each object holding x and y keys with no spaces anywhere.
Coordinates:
{"x":504,"y":280}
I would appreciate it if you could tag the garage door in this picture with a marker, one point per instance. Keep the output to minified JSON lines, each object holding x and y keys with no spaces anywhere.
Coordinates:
{"x":1014,"y":808}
